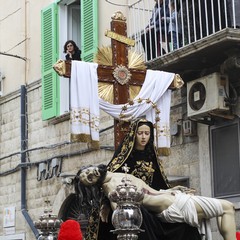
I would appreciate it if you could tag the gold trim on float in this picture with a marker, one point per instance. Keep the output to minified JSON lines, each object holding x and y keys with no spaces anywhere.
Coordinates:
{"x":86,"y":139}
{"x":177,"y":81}
{"x":134,"y":91}
{"x":103,"y":56}
{"x":163,"y":151}
{"x":135,"y":60}
{"x":81,"y":137}
{"x":105,"y":91}
{"x":120,"y":38}
{"x":60,"y":67}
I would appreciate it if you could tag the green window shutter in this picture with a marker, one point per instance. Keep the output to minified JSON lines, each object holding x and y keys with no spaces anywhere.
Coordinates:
{"x":89,"y":26}
{"x":50,"y":79}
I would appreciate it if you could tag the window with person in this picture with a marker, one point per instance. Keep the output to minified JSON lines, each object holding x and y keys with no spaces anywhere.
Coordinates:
{"x":61,"y":21}
{"x":72,"y":51}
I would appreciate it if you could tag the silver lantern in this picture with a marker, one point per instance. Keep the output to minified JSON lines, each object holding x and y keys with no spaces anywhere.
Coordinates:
{"x":127,"y":217}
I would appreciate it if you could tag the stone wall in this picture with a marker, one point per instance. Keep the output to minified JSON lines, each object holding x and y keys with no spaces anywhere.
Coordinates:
{"x":51,"y":139}
{"x":46,"y":140}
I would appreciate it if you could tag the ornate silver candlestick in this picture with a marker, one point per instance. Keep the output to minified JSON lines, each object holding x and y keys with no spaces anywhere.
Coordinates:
{"x":48,"y":224}
{"x":127,"y":217}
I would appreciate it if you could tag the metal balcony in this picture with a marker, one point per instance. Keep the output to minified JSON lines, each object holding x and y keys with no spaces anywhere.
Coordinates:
{"x":208,"y":34}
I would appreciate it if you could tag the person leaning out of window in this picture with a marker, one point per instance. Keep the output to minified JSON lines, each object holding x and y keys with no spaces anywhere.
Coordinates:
{"x":72,"y":51}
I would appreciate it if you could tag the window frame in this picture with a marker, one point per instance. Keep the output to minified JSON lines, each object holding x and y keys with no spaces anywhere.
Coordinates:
{"x":235,"y":197}
{"x":52,"y":104}
{"x":20,"y":236}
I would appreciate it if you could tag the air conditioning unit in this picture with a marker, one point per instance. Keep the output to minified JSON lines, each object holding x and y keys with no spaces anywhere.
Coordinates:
{"x":206,"y":95}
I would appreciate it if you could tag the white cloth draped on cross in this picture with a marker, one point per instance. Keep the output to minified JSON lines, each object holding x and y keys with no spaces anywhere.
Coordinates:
{"x":85,"y":103}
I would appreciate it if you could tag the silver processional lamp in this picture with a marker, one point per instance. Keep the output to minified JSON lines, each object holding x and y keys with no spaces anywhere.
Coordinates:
{"x":48,"y":224}
{"x":127,"y":217}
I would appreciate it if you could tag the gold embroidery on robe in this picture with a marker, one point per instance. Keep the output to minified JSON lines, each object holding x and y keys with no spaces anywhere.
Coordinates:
{"x":144,"y":170}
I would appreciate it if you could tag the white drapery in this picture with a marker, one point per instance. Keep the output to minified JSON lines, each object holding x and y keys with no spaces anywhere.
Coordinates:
{"x":85,"y":103}
{"x":84,"y":114}
{"x":155,"y":88}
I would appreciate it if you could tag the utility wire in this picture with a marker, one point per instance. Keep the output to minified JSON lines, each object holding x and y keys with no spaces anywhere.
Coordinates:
{"x":11,"y":55}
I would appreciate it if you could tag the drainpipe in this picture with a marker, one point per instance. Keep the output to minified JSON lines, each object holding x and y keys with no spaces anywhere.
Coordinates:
{"x":23,"y":161}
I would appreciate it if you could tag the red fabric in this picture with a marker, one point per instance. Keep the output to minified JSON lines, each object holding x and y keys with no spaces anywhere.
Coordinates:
{"x":238,"y":235}
{"x":70,"y":230}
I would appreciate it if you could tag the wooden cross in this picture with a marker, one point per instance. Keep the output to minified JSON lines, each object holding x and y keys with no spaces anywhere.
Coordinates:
{"x":119,"y":67}
{"x":119,"y":70}
{"x":119,"y":74}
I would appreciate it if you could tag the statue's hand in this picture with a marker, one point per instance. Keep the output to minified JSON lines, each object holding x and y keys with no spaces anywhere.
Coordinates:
{"x":104,"y":212}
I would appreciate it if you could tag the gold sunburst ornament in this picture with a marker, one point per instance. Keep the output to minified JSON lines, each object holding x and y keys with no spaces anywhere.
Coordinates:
{"x":135,"y":61}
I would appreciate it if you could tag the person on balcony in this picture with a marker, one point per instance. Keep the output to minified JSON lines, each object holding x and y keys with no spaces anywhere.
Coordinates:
{"x":155,"y":32}
{"x":174,"y":28}
{"x":72,"y":51}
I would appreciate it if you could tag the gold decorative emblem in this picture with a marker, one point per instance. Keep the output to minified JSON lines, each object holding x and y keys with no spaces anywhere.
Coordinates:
{"x":122,"y":74}
{"x":120,"y":38}
{"x":60,"y":67}
{"x":119,"y":16}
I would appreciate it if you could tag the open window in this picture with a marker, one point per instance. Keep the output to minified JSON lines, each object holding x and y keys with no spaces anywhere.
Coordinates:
{"x":61,"y":21}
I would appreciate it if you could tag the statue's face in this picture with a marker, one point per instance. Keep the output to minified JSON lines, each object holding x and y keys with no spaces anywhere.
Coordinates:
{"x":142,"y":138}
{"x":89,"y":176}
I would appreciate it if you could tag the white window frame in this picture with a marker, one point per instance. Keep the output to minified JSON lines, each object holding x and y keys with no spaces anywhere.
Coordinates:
{"x":20,"y":236}
{"x":66,"y":32}
{"x":235,"y":197}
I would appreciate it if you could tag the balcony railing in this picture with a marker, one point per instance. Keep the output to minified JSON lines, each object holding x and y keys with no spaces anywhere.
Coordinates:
{"x":178,"y":23}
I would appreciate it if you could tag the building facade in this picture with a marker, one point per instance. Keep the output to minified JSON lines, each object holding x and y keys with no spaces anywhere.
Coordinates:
{"x":34,"y":103}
